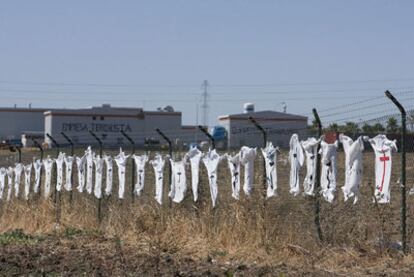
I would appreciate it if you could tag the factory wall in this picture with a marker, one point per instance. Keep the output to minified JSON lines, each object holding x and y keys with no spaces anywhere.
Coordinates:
{"x":242,"y":132}
{"x":14,"y":121}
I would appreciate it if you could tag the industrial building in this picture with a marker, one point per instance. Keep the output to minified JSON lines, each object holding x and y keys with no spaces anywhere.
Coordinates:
{"x":15,"y":121}
{"x":279,"y":127}
{"x":104,"y":121}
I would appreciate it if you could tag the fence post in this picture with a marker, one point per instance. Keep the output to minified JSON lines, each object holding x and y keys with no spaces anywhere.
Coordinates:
{"x":100,"y":154}
{"x":403,"y":171}
{"x":170,"y":153}
{"x":72,"y":152}
{"x":57,"y":193}
{"x":70,"y":142}
{"x":133,"y":164}
{"x":318,"y":179}
{"x":264,"y":134}
{"x":210,"y":137}
{"x":14,"y":148}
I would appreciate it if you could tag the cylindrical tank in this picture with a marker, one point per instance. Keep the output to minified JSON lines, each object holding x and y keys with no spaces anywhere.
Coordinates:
{"x":248,"y":108}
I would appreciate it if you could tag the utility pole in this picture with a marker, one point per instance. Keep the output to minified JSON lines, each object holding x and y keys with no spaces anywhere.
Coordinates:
{"x":204,"y":105}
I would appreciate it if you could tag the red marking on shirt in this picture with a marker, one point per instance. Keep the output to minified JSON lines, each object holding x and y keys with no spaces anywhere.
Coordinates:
{"x":384,"y":160}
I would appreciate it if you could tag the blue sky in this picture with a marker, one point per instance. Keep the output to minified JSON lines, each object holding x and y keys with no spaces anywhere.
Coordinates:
{"x":153,"y":53}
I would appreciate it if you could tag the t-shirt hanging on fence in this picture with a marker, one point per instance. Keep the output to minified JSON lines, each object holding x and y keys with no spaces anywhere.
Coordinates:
{"x":18,"y":169}
{"x":37,"y":165}
{"x":121,"y":161}
{"x":247,"y":157}
{"x":383,"y":148}
{"x":178,"y":181}
{"x":10,"y":173}
{"x":81,"y":165}
{"x":99,"y":163}
{"x":27,"y":175}
{"x":158,"y":165}
{"x":48,"y":165}
{"x":140,"y":162}
{"x":109,"y":174}
{"x":89,"y":169}
{"x":296,"y":159}
{"x":328,"y":174}
{"x":194,"y":155}
{"x":59,"y":171}
{"x":211,"y":161}
{"x":310,"y":146}
{"x":353,"y":166}
{"x":234,"y":166}
{"x":270,"y":156}
{"x":3,"y":173}
{"x":68,"y":172}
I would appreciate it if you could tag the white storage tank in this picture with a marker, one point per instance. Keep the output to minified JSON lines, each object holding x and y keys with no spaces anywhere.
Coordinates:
{"x":248,"y":108}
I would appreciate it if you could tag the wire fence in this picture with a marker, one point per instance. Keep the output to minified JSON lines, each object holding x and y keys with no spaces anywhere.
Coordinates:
{"x":385,"y":226}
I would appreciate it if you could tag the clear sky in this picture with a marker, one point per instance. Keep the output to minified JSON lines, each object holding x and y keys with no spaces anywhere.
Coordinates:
{"x":154,"y":53}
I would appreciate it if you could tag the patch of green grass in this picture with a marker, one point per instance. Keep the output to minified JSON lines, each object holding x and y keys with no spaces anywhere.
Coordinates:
{"x":18,"y":237}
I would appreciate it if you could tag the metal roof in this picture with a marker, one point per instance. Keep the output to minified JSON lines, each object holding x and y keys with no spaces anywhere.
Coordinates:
{"x":264,"y":115}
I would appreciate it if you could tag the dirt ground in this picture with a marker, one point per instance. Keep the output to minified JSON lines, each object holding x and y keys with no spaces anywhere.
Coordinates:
{"x":80,"y":254}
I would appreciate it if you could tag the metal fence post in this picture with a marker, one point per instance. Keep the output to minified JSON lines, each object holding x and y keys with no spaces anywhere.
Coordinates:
{"x":57,"y":193}
{"x":14,"y":148}
{"x":318,"y":178}
{"x":70,"y":142}
{"x":170,"y":153}
{"x":264,"y":134}
{"x":100,"y":154}
{"x":210,"y":137}
{"x":403,"y":170}
{"x":72,"y":152}
{"x":133,"y":163}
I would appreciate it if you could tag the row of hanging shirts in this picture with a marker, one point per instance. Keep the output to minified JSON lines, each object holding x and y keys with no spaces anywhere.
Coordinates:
{"x":300,"y":151}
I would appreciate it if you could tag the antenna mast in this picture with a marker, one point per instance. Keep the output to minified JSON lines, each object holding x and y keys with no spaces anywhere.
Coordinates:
{"x":205,"y":105}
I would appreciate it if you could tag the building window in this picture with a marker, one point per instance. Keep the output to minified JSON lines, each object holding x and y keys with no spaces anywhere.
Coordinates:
{"x":102,"y":117}
{"x":93,"y":117}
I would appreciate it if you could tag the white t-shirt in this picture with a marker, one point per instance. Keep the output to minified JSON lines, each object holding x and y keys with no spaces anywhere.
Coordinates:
{"x":158,"y":165}
{"x":270,"y":155}
{"x":10,"y":174}
{"x":178,"y":181}
{"x":328,"y":171}
{"x":89,"y":169}
{"x":3,"y":173}
{"x":383,"y":148}
{"x":121,"y":161}
{"x":353,"y":166}
{"x":18,"y":169}
{"x":27,"y":175}
{"x":48,"y":165}
{"x":68,"y":173}
{"x":247,"y":157}
{"x":81,"y":165}
{"x":99,"y":164}
{"x":37,"y":165}
{"x":140,"y":161}
{"x":211,"y":161}
{"x":59,"y":171}
{"x":234,"y":167}
{"x":109,"y":174}
{"x":296,"y":159}
{"x":194,"y":155}
{"x":310,"y":146}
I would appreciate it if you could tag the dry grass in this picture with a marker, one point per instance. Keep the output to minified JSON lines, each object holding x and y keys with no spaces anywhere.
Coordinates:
{"x":356,"y":237}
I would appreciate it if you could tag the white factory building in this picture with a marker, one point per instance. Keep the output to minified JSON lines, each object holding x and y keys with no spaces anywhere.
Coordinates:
{"x":104,"y":121}
{"x":279,"y":127}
